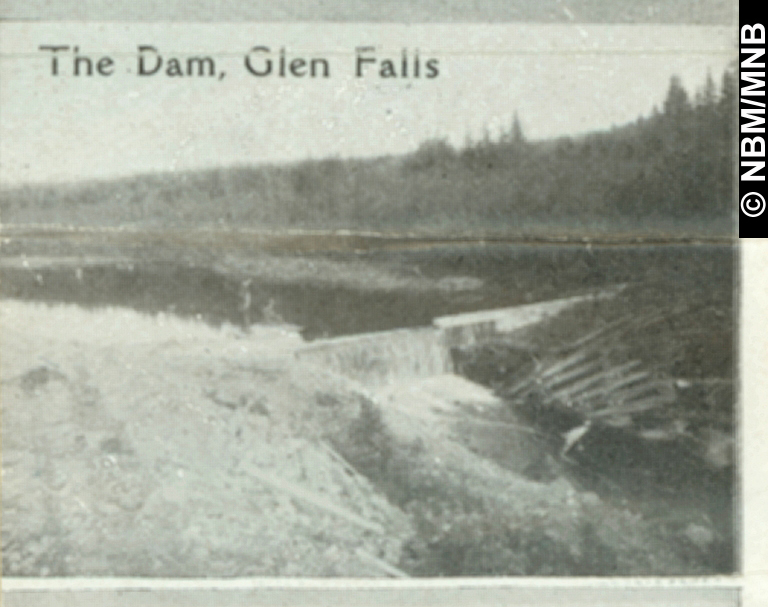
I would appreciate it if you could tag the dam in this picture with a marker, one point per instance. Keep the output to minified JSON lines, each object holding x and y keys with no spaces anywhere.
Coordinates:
{"x":385,"y":357}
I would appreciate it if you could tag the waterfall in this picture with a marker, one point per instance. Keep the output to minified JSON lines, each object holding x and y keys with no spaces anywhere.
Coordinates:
{"x":383,"y":357}
{"x":386,"y":357}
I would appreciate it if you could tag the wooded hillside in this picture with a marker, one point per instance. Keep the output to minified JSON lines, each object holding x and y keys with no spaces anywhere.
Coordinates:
{"x":669,"y":172}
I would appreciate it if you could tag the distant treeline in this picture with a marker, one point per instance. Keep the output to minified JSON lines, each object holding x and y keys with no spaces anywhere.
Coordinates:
{"x":669,"y":172}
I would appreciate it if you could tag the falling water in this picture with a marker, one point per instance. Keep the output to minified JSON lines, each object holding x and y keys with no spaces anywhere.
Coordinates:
{"x":388,"y":356}
{"x":383,"y":357}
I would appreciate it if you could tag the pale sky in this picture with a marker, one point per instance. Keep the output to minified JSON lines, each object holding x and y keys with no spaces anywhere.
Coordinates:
{"x":560,"y":79}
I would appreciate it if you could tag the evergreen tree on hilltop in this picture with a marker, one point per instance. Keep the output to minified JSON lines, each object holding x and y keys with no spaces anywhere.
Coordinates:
{"x":676,"y":104}
{"x":517,"y":131}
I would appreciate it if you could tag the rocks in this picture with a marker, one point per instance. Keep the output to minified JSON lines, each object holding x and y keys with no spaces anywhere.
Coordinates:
{"x":38,"y":377}
{"x":700,"y":536}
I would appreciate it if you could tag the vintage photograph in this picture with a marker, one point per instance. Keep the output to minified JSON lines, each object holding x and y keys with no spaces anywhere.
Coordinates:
{"x":383,"y":301}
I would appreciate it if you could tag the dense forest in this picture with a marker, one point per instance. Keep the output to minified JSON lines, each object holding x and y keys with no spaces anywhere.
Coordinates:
{"x":669,"y":172}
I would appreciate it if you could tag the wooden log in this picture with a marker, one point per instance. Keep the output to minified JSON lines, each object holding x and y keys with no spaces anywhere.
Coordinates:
{"x":568,"y":362}
{"x":380,"y":564}
{"x":577,"y":390}
{"x":587,"y":368}
{"x":312,"y":498}
{"x":638,"y":406}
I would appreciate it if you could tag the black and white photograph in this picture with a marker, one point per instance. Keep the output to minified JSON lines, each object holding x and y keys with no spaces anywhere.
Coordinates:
{"x":371,"y":301}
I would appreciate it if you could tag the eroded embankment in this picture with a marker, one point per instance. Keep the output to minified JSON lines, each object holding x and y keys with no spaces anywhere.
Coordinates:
{"x":139,"y":446}
{"x":161,"y":447}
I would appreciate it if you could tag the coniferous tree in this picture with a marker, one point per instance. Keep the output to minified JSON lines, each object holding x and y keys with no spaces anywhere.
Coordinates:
{"x":676,"y":104}
{"x":518,"y":137}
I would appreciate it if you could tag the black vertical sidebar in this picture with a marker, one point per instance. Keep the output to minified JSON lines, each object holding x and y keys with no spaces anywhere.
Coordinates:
{"x":753,"y":215}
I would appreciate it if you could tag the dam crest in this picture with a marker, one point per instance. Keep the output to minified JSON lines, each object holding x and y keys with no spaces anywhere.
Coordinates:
{"x":384,"y":357}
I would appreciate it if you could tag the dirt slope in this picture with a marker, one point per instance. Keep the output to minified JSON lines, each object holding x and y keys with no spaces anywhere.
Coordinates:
{"x":154,"y":446}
